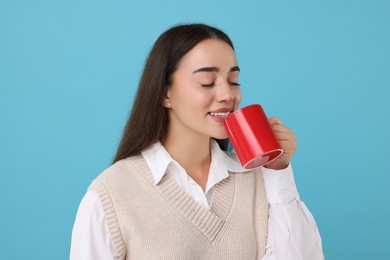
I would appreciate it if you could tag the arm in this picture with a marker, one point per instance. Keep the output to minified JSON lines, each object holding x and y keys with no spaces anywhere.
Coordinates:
{"x":91,"y":239}
{"x":292,"y":230}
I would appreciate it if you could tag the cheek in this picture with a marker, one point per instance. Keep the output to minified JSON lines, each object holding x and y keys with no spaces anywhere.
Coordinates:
{"x":193,"y":98}
{"x":200,"y":97}
{"x":237,"y":98}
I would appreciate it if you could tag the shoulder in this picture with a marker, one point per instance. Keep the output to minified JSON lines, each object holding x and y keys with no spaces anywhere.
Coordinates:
{"x":124,"y":166}
{"x":119,"y":173}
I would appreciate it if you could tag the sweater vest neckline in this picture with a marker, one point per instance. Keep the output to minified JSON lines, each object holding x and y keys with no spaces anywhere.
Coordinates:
{"x":209,"y":222}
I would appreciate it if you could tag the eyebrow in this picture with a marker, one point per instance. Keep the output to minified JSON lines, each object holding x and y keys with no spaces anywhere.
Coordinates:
{"x":214,"y":69}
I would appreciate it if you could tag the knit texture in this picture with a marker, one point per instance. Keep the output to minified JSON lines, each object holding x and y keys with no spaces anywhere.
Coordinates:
{"x":149,"y":221}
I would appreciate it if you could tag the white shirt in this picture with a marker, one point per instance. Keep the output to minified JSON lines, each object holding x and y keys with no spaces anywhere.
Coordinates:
{"x":292,"y":231}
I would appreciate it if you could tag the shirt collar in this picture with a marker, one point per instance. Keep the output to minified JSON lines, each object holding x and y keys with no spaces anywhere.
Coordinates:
{"x":158,"y":160}
{"x":223,"y":161}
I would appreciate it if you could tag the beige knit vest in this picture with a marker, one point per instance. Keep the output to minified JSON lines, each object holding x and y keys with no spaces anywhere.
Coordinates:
{"x":149,"y":221}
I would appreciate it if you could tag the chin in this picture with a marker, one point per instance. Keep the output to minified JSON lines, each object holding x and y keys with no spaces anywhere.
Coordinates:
{"x":220,"y":135}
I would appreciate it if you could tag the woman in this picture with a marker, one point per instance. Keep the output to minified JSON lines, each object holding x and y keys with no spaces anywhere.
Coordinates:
{"x":173,"y":192}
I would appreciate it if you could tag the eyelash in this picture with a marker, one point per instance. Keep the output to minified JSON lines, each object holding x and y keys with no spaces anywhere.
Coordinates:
{"x":236,"y":84}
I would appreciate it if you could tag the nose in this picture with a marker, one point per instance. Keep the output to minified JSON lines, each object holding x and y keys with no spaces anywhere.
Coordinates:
{"x":225,"y":93}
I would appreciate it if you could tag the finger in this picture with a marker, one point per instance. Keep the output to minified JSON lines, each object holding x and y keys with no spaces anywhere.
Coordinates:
{"x":286,"y":138}
{"x":288,"y":146}
{"x":282,"y":129}
{"x":275,"y":121}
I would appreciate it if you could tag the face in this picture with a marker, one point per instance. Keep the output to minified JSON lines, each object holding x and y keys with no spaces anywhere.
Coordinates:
{"x":204,"y":91}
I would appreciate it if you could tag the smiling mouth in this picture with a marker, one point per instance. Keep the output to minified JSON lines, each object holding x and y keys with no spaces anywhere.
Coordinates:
{"x":220,"y":114}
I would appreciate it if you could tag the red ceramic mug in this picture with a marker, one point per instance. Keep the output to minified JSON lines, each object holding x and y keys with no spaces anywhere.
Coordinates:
{"x":252,"y":136}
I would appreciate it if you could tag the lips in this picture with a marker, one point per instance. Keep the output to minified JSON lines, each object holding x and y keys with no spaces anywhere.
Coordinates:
{"x":220,"y":114}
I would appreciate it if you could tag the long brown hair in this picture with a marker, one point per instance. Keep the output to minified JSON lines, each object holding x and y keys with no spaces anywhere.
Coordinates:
{"x":148,"y":120}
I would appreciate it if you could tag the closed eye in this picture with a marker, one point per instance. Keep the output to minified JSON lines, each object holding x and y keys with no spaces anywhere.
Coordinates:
{"x":235,"y":84}
{"x":208,"y":85}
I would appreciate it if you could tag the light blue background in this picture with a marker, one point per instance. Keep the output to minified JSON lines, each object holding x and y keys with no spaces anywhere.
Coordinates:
{"x":69,"y":70}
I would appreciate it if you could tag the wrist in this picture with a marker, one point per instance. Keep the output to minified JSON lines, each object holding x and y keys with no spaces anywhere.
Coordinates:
{"x":276,"y":165}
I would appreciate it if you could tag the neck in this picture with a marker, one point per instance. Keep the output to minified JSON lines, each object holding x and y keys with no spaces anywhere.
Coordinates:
{"x":187,"y":152}
{"x":193,"y":154}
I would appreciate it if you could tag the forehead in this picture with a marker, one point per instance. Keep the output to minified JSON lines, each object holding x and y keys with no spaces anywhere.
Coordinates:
{"x":210,"y":52}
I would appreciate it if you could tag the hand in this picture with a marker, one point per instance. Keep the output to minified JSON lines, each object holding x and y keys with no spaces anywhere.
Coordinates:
{"x":287,"y":141}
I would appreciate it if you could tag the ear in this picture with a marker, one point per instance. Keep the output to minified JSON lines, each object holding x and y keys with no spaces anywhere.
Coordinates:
{"x":166,"y":102}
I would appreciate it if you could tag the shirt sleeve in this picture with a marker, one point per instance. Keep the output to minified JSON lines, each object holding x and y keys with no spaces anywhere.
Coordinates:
{"x":292,"y":230}
{"x":91,"y":239}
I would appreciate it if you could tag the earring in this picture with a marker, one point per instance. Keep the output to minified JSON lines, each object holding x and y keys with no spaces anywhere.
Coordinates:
{"x":169,"y":104}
